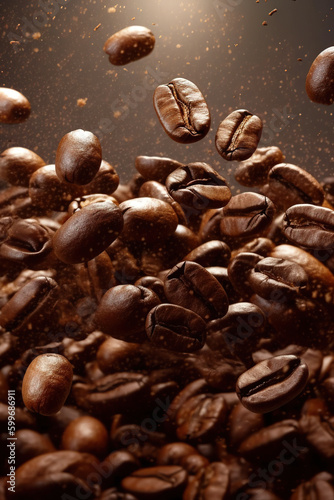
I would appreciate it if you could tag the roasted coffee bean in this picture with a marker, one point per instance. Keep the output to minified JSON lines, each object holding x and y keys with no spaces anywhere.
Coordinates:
{"x":118,"y":464}
{"x":129,"y":45}
{"x":201,"y":418}
{"x":319,"y":79}
{"x":48,"y":192}
{"x":319,"y":434}
{"x":212,"y":482}
{"x":147,"y":219}
{"x":194,"y":463}
{"x":178,"y":244}
{"x":18,"y":164}
{"x":254,"y":172}
{"x":163,"y":482}
{"x":14,"y":106}
{"x":261,"y":246}
{"x":238,"y":135}
{"x":239,"y":270}
{"x":88,"y":232}
{"x":154,"y":284}
{"x":182,"y":110}
{"x":156,"y":168}
{"x":115,"y":355}
{"x":47,"y":383}
{"x":173,"y":453}
{"x":116,"y":393}
{"x":198,"y":186}
{"x":96,"y":276}
{"x":25,"y":243}
{"x":310,"y":226}
{"x":87,"y":435}
{"x":221,"y":274}
{"x":290,"y":185}
{"x":190,"y":285}
{"x":212,"y":253}
{"x":314,"y":489}
{"x":122,"y":312}
{"x":154,"y":189}
{"x":239,"y":331}
{"x":275,"y":279}
{"x":247,"y":214}
{"x":176,"y":328}
{"x":30,"y":444}
{"x":30,"y":311}
{"x":105,"y":181}
{"x":80,"y":352}
{"x":272,"y":383}
{"x":241,"y":424}
{"x":78,"y":157}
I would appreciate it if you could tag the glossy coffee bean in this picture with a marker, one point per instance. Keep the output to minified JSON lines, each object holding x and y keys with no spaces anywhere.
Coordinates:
{"x":212,"y":482}
{"x":129,"y":45}
{"x":254,"y":171}
{"x":115,"y":355}
{"x":78,"y":157}
{"x":238,"y":135}
{"x":147,"y":219}
{"x":156,"y":168}
{"x":247,"y":214}
{"x":190,"y":285}
{"x":291,"y":185}
{"x":272,"y":383}
{"x":88,"y":232}
{"x":18,"y":164}
{"x":122,"y":312}
{"x":212,"y":253}
{"x":47,"y":383}
{"x":176,"y":328}
{"x":154,"y":189}
{"x":310,"y":226}
{"x":319,"y":79}
{"x":199,"y":186}
{"x":87,"y":435}
{"x":105,"y":181}
{"x":182,"y":110}
{"x":14,"y":106}
{"x":201,"y":418}
{"x":162,"y":482}
{"x":118,"y":464}
{"x":239,"y":270}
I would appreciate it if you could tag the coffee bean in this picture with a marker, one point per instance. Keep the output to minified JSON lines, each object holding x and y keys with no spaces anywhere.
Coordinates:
{"x":310,"y":226}
{"x":317,"y":488}
{"x":201,"y":417}
{"x":238,"y":135}
{"x":163,"y":482}
{"x":14,"y":106}
{"x":212,"y":253}
{"x":30,"y":444}
{"x":18,"y":164}
{"x":156,"y":168}
{"x":88,"y":232}
{"x":247,"y":214}
{"x":272,"y":383}
{"x":129,"y":45}
{"x":106,"y":181}
{"x":182,"y":110}
{"x":122,"y":312}
{"x":87,"y":435}
{"x":210,"y":482}
{"x":176,"y":328}
{"x":290,"y":185}
{"x":156,"y":190}
{"x":78,"y":157}
{"x":319,"y":79}
{"x":47,"y":383}
{"x":239,"y":270}
{"x":254,"y":172}
{"x":242,"y":423}
{"x":115,"y":494}
{"x":198,"y":186}
{"x":190,"y":285}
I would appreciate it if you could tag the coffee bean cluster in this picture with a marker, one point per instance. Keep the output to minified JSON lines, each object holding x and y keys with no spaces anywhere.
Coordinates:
{"x":167,"y":338}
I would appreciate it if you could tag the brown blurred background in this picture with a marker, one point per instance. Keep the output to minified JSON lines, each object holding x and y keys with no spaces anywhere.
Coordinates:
{"x":52,"y":51}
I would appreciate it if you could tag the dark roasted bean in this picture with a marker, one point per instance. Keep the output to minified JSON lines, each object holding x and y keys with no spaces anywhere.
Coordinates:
{"x":242,"y":423}
{"x":310,"y":226}
{"x":78,"y":157}
{"x":238,"y":135}
{"x":176,"y":328}
{"x":254,"y":172}
{"x":239,"y":270}
{"x":105,"y":181}
{"x":182,"y":110}
{"x":47,"y":383}
{"x":212,"y":253}
{"x":87,"y":435}
{"x":18,"y":164}
{"x":156,"y":168}
{"x":163,"y":482}
{"x":272,"y":383}
{"x":212,"y":482}
{"x":122,"y":312}
{"x":198,"y":186}
{"x":88,"y":232}
{"x":129,"y":45}
{"x":190,"y":285}
{"x":247,"y":214}
{"x":14,"y":106}
{"x":290,"y":185}
{"x":154,"y":189}
{"x":319,"y":80}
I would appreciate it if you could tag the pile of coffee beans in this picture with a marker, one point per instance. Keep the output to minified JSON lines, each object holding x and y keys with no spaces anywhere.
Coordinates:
{"x":166,"y":338}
